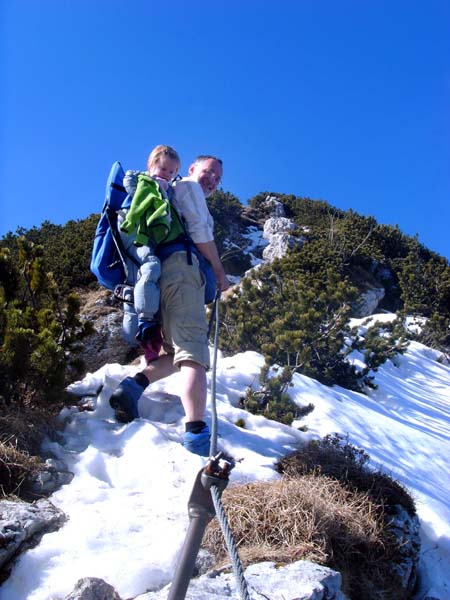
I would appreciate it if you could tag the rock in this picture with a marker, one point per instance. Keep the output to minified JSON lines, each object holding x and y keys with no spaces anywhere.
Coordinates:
{"x":302,"y":580}
{"x":277,"y":230}
{"x":93,"y":588}
{"x":22,"y":525}
{"x":105,"y":344}
{"x":278,"y":225}
{"x":50,"y":478}
{"x":279,"y":244}
{"x":406,"y":529}
{"x":204,"y":562}
{"x":368,"y":302}
{"x":276,"y":207}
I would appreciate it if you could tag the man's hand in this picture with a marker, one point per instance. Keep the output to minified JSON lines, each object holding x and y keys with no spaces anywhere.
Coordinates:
{"x":223,"y":283}
{"x":209,"y":251}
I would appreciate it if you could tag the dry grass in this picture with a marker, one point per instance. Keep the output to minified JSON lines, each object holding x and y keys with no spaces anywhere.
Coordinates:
{"x":15,"y":467}
{"x":296,"y":518}
{"x":335,"y":457}
{"x":321,"y":518}
{"x":21,"y":433}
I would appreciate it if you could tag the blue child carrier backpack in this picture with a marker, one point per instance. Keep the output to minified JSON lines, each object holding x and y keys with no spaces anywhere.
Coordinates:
{"x":109,"y":256}
{"x":108,"y":260}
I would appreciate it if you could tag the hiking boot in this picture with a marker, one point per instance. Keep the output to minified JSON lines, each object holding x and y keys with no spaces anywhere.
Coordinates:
{"x":124,"y":400}
{"x":198,"y":443}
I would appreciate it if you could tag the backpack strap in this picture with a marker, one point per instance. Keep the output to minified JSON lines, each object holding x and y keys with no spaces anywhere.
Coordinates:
{"x":111,"y":216}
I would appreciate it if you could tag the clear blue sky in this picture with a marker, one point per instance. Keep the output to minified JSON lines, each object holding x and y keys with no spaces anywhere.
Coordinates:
{"x":344,"y":101}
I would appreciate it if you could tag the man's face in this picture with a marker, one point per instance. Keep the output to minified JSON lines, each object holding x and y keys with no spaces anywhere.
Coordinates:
{"x":207,"y":173}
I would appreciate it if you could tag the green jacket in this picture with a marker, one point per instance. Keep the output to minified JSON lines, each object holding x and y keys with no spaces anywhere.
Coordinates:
{"x":149,"y":214}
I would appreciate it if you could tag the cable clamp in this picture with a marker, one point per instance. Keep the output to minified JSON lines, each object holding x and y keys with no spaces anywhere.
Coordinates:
{"x":217,"y":471}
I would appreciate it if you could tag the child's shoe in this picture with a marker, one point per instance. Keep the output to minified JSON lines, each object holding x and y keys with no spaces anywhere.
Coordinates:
{"x":124,"y":399}
{"x":198,"y":443}
{"x":147,"y":330}
{"x":150,"y":337}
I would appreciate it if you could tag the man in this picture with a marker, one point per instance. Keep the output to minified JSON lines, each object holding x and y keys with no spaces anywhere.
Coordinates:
{"x":183,"y":311}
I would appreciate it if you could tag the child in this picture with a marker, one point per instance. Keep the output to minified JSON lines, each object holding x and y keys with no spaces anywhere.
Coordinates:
{"x":162,"y":166}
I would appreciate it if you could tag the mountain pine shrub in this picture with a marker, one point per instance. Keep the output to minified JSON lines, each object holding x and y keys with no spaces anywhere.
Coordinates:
{"x":272,"y":400}
{"x":65,"y":250}
{"x":37,"y":328}
{"x":381,"y":341}
{"x":295,"y":312}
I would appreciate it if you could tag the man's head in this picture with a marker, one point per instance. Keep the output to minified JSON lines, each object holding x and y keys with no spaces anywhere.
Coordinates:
{"x":207,"y":171}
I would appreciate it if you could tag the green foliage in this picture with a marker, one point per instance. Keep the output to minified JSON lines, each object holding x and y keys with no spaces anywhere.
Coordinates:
{"x":381,"y":342}
{"x":272,"y":400}
{"x":37,"y":329}
{"x":436,"y":333}
{"x":225,"y":210}
{"x":425,"y":283}
{"x":295,"y":312}
{"x":65,"y":250}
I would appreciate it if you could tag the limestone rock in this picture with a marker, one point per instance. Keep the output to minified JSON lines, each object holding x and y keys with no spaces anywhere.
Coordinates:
{"x":106,"y":344}
{"x":50,"y":478}
{"x":279,"y":244}
{"x":22,"y":525}
{"x":93,"y":588}
{"x":276,"y":207}
{"x":302,"y":580}
{"x":368,"y":302}
{"x":406,"y":529}
{"x":278,"y":225}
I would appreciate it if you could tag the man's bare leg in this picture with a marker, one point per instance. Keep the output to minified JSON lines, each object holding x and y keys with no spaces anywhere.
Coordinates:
{"x":193,"y":395}
{"x":193,"y":383}
{"x":124,"y":399}
{"x":160,"y":368}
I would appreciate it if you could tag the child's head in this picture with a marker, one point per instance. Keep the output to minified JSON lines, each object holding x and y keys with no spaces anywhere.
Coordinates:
{"x":163,"y":162}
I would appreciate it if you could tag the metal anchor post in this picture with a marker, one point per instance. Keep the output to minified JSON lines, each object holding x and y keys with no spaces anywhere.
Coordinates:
{"x":201,"y":511}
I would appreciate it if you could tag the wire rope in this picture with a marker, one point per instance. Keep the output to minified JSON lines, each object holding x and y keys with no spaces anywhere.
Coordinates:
{"x":215,"y":492}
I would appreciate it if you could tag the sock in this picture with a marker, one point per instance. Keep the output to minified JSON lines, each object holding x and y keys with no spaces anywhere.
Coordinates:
{"x":195,"y":426}
{"x":142,"y":380}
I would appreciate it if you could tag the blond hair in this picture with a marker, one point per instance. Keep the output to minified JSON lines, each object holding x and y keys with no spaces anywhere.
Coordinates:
{"x":158,"y":152}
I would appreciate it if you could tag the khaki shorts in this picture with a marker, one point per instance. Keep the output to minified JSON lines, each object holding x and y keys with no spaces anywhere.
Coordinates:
{"x":183,"y":313}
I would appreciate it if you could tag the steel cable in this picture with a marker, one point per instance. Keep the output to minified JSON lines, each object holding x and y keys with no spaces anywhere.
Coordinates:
{"x":215,"y":492}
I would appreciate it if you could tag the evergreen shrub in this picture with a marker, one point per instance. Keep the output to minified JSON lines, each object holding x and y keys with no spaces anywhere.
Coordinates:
{"x":272,"y":400}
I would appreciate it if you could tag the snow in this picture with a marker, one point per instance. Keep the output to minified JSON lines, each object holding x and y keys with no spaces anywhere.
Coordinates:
{"x":127,"y":502}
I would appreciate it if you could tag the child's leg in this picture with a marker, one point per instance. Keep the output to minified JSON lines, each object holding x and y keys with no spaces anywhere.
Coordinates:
{"x":146,"y":290}
{"x":130,"y":324}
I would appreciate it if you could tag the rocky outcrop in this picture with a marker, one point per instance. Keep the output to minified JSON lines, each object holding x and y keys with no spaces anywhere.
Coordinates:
{"x":93,"y":588}
{"x":51,"y":476}
{"x":406,"y":529}
{"x":368,"y":302}
{"x":302,"y":580}
{"x":22,"y":525}
{"x":278,"y":231}
{"x":105,"y":344}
